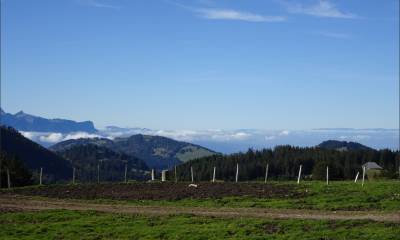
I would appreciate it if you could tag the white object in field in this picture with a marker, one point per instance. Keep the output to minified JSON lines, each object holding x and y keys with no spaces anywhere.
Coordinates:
{"x":191,"y":171}
{"x":266,"y":174}
{"x":298,"y":178}
{"x":355,"y":180}
{"x":237,"y":172}
{"x":163,"y":175}
{"x":40,"y":177}
{"x":98,"y":173}
{"x":363,"y":176}
{"x":193,"y":185}
{"x":176,"y":176}
{"x":73,"y":176}
{"x":8,"y":179}
{"x":126,"y":172}
{"x":213,"y":180}
{"x":152,"y":174}
{"x":327,"y":175}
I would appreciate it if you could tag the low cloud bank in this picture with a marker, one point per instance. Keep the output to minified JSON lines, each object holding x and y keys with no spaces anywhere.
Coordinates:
{"x":228,"y":141}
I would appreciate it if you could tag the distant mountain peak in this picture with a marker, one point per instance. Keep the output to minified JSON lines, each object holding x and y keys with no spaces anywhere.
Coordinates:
{"x":22,"y":114}
{"x":30,"y":123}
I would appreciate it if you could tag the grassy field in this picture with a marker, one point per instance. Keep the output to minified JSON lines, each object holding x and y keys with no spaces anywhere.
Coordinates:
{"x":339,"y":195}
{"x":65,"y":224}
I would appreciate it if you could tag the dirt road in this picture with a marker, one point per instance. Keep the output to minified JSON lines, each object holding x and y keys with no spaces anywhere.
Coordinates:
{"x":23,"y":203}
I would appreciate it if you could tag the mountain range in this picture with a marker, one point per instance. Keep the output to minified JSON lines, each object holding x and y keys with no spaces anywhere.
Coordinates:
{"x":220,"y":140}
{"x":158,"y":152}
{"x":30,"y":123}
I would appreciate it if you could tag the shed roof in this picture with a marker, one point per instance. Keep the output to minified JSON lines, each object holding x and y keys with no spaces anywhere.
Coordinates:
{"x":371,"y":165}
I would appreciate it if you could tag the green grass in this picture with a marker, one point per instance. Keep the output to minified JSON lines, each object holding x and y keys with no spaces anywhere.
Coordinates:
{"x":339,"y":195}
{"x":64,"y":224}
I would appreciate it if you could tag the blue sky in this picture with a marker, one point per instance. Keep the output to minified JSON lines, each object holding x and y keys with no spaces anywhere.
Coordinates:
{"x":269,"y":64}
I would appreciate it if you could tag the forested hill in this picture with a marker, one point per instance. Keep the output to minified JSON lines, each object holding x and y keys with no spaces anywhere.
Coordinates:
{"x":343,"y":145}
{"x":34,"y":156}
{"x":158,"y":152}
{"x":284,"y":163}
{"x":86,"y":159}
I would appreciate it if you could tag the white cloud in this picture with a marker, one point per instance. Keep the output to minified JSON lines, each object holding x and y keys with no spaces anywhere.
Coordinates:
{"x":322,"y":8}
{"x":270,"y":138}
{"x":284,"y":133}
{"x":51,"y":138}
{"x":98,"y":4}
{"x":78,"y":135}
{"x":361,"y":137}
{"x":334,"y":35}
{"x":229,"y":14}
{"x":238,"y":139}
{"x":240,"y":136}
{"x":29,"y":135}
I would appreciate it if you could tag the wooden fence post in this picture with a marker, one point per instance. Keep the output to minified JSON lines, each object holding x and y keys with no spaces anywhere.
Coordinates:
{"x":126,"y":172}
{"x":363,"y":177}
{"x":73,"y":176}
{"x":237,"y":172}
{"x":1,"y":163}
{"x":176,"y":175}
{"x":191,"y":171}
{"x":355,"y":180}
{"x":98,"y":173}
{"x":40,"y":176}
{"x":298,"y":178}
{"x":8,"y":179}
{"x":163,"y":175}
{"x":266,"y":173}
{"x":327,"y":175}
{"x":213,"y":179}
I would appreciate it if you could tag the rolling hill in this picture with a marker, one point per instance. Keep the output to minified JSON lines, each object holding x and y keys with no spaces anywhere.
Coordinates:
{"x":86,"y":158}
{"x":34,"y":156}
{"x":342,"y":145}
{"x":158,"y":152}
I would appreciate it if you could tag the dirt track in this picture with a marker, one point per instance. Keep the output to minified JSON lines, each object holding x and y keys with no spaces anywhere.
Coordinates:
{"x":23,"y":203}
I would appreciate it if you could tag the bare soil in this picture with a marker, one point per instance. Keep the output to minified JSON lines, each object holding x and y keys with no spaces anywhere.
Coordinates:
{"x":9,"y":202}
{"x":159,"y":191}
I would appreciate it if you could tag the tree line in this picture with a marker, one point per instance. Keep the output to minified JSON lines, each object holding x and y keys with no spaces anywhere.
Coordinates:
{"x":284,"y":162}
